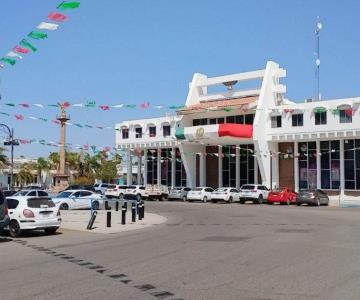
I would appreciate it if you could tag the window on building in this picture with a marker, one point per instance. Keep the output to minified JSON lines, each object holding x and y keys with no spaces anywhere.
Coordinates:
{"x":330,"y":164}
{"x":152,"y":131}
{"x":297,"y":120}
{"x":196,"y":122}
{"x":249,"y":119}
{"x":212,"y":121}
{"x":166,"y":130}
{"x":229,"y":166}
{"x":247,"y":164}
{"x":203,"y":121}
{"x":180,"y":173}
{"x":345,"y":115}
{"x":152,"y":161}
{"x":125,"y":133}
{"x":220,"y":120}
{"x":275,"y":121}
{"x":320,"y":118}
{"x":165,"y":160}
{"x":230,"y":119}
{"x":307,"y":165}
{"x":352,"y":164}
{"x":138,"y":132}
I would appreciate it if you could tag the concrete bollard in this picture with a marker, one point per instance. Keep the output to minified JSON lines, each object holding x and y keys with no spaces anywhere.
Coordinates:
{"x":108,"y":219}
{"x":92,"y":220}
{"x":123,"y":215}
{"x":133,"y":212}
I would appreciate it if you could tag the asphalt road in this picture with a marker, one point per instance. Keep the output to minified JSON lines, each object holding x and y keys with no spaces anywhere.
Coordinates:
{"x":204,"y":251}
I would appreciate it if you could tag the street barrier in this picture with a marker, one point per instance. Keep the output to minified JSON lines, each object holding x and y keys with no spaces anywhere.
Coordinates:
{"x":123,"y":215}
{"x":108,"y":219}
{"x":140,"y":210}
{"x":133,"y":212}
{"x":92,"y":220}
{"x":107,"y":207}
{"x":117,"y":206}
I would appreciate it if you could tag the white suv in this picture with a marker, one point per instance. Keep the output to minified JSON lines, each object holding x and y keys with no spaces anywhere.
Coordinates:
{"x":227,"y":194}
{"x":138,"y":190}
{"x":256,"y":193}
{"x":200,"y":194}
{"x":115,"y":191}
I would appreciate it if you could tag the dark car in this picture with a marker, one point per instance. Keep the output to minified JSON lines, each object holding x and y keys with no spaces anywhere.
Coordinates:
{"x":312,"y":197}
{"x":4,"y":217}
{"x":86,"y":187}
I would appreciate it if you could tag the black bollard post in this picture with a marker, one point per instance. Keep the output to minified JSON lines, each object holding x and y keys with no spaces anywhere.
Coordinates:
{"x":123,"y":215}
{"x":92,"y":220}
{"x":143,"y":210}
{"x":125,"y":205}
{"x":107,"y":205}
{"x":140,"y":211}
{"x":108,"y":219}
{"x":137,"y":207}
{"x":117,"y":205}
{"x":133,"y":212}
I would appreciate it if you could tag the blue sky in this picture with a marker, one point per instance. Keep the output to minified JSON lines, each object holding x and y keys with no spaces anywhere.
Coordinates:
{"x":134,"y":51}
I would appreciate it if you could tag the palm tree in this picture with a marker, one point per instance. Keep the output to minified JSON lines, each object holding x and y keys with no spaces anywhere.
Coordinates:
{"x":42,"y":166}
{"x":25,"y":176}
{"x":3,"y":158}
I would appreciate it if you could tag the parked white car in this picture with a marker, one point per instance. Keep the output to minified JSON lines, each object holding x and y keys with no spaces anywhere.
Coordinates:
{"x":33,"y":213}
{"x":200,"y":194}
{"x":227,"y":194}
{"x":115,"y":191}
{"x":100,"y":187}
{"x":24,"y":194}
{"x":78,"y":199}
{"x":138,"y":190}
{"x":256,"y":193}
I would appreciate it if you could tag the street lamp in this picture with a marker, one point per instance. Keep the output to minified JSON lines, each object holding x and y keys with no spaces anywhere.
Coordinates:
{"x":11,"y":142}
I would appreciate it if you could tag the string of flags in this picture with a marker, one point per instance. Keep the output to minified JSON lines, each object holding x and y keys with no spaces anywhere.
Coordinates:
{"x":26,"y":46}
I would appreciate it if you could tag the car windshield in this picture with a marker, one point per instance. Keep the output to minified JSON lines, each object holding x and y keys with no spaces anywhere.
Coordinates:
{"x":21,"y":193}
{"x":132,"y":187}
{"x":197,"y":189}
{"x":64,"y":195}
{"x":248,"y":187}
{"x":111,"y":186}
{"x":96,"y":185}
{"x":221,"y":190}
{"x":39,"y":202}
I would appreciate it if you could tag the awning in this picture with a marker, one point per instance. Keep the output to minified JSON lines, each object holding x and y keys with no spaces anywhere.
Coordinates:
{"x":214,"y":131}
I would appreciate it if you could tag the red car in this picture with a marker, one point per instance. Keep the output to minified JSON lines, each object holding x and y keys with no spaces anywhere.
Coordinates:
{"x":282,"y":196}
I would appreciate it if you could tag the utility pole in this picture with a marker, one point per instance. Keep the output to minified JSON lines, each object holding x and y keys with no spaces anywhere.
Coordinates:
{"x":11,"y":142}
{"x":317,"y":61}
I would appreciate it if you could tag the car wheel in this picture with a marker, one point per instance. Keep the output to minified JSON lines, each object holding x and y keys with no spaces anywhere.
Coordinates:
{"x":205,"y":199}
{"x":288,"y":202}
{"x":298,"y":204}
{"x":163,"y":197}
{"x":242,"y":201}
{"x":270,"y":203}
{"x":51,"y":230}
{"x":64,"y":206}
{"x":14,"y":228}
{"x":121,"y":196}
{"x":184,"y":198}
{"x":95,"y":205}
{"x":138,"y":197}
{"x":260,"y":199}
{"x":230,"y":199}
{"x":318,"y":202}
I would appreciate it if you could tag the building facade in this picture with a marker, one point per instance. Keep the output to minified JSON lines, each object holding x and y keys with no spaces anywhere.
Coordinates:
{"x":240,"y":128}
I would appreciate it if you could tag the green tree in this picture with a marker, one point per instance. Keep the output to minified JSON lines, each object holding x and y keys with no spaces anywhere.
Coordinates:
{"x":107,"y":171}
{"x":3,"y":158}
{"x":42,"y":165}
{"x":25,"y":175}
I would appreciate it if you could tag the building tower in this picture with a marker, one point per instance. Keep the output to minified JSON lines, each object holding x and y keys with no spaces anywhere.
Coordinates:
{"x":62,"y":176}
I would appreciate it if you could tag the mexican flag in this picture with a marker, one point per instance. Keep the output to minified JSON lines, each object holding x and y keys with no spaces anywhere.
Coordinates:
{"x":214,"y":131}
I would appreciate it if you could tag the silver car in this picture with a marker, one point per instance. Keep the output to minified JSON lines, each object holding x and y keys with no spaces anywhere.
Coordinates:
{"x":179,"y":193}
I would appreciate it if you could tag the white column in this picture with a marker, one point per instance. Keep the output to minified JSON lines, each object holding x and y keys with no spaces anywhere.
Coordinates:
{"x":342,"y":167}
{"x":139,"y":169}
{"x":237,"y":166}
{"x":145,"y":167}
{"x":173,"y":166}
{"x":202,"y":169}
{"x":220,"y":167}
{"x":296,"y":166}
{"x":129,"y":168}
{"x":159,"y":166}
{"x":256,"y":173}
{"x":318,"y":165}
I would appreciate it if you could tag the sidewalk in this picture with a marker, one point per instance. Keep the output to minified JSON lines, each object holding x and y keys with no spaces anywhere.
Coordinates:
{"x":78,"y":220}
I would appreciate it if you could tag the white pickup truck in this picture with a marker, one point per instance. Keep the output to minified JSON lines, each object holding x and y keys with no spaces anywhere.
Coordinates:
{"x":158,"y":192}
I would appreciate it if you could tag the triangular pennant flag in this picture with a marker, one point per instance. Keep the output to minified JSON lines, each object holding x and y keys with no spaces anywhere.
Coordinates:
{"x":104,"y":107}
{"x":88,"y":126}
{"x":14,"y":54}
{"x":90,"y":104}
{"x":57,"y":17}
{"x":68,"y":5}
{"x":10,"y":104}
{"x":9,"y":61}
{"x":78,"y":125}
{"x":4,"y":113}
{"x":43,"y":119}
{"x":22,"y":50}
{"x":78,"y":105}
{"x":19,"y":117}
{"x":28,"y":45}
{"x":56,"y":121}
{"x":52,"y":105}
{"x":227,"y":109}
{"x":37,"y":35}
{"x":47,"y":26}
{"x":118,"y":106}
{"x":39,"y":105}
{"x":145,"y":105}
{"x":131,"y":105}
{"x":24,"y":105}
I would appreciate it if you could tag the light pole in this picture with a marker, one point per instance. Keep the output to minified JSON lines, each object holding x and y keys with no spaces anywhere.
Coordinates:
{"x":11,"y":142}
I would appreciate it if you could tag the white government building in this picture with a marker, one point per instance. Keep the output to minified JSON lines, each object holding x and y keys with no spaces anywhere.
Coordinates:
{"x":228,"y":135}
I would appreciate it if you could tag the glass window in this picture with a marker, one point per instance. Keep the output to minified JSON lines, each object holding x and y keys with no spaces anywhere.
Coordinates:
{"x":307,"y":165}
{"x":166,"y":130}
{"x":320,"y":118}
{"x":220,"y":120}
{"x":12,"y":203}
{"x":297,"y":120}
{"x":239,"y":119}
{"x":138,"y":132}
{"x":33,"y":193}
{"x":42,"y":194}
{"x":212,"y":121}
{"x":345,"y":115}
{"x":152,"y":131}
{"x":249,"y":119}
{"x":230,"y":119}
{"x":196,"y":122}
{"x":275,"y":121}
{"x":125,"y":133}
{"x":330,"y":164}
{"x":203,"y":121}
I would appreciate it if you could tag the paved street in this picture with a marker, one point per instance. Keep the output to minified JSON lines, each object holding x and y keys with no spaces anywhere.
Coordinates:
{"x":203,"y":251}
